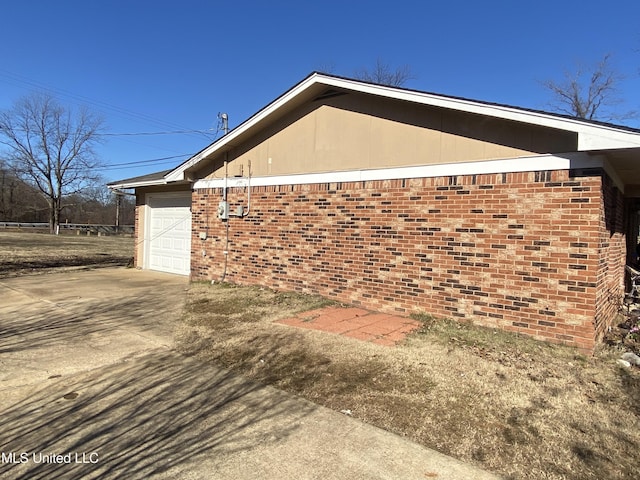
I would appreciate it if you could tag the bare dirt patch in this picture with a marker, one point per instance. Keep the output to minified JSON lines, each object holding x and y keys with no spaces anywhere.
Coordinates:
{"x":23,"y":253}
{"x":518,"y":407}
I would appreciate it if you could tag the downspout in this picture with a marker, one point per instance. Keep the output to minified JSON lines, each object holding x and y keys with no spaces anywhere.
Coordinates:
{"x":224,"y":192}
{"x":225,"y":252}
{"x":244,"y":214}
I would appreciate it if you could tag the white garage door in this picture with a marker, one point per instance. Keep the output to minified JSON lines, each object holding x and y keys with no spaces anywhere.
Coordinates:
{"x":168,"y":233}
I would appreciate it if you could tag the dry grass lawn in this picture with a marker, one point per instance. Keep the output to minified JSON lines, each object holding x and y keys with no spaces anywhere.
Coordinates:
{"x":509,"y":404}
{"x":24,"y":252}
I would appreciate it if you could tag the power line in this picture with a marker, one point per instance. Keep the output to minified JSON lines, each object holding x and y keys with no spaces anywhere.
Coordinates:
{"x":13,"y":78}
{"x":125,"y":134}
{"x":175,"y":129}
{"x":210,"y":133}
{"x":153,"y":160}
{"x":139,"y":163}
{"x":136,"y":164}
{"x":110,"y":167}
{"x":173,"y":132}
{"x":102,"y":168}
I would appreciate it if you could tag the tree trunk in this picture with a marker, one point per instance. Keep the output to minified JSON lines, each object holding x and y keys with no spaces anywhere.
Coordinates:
{"x":54,"y":215}
{"x":52,"y":221}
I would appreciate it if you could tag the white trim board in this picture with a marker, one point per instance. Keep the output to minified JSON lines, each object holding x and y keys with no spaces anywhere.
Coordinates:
{"x":511,"y":165}
{"x":126,"y":185}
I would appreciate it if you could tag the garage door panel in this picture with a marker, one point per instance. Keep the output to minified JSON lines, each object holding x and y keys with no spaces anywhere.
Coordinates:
{"x":169,"y":242}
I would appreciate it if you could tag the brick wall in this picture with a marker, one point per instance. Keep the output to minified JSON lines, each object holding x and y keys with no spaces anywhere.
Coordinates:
{"x":612,"y":245}
{"x":525,"y":252}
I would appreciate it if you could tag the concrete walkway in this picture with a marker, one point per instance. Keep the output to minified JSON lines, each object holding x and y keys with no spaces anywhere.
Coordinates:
{"x":90,"y":388}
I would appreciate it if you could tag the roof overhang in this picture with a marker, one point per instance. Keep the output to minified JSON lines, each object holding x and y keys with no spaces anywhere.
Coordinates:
{"x":591,"y":136}
{"x":149,"y":180}
{"x":125,"y":185}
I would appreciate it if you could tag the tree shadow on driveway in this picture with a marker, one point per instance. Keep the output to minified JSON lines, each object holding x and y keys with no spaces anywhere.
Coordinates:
{"x":161,"y":415}
{"x":59,"y":323}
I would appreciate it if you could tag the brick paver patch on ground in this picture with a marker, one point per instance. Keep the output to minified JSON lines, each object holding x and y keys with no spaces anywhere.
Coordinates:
{"x":379,"y":328}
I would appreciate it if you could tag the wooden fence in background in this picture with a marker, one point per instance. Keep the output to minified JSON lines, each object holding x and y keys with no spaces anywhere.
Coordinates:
{"x":70,"y":228}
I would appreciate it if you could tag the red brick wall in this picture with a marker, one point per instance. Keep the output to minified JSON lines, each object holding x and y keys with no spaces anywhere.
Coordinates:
{"x":612,"y":245}
{"x":519,"y":251}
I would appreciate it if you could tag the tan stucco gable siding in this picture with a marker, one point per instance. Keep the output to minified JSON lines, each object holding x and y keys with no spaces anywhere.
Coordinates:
{"x":355,"y":132}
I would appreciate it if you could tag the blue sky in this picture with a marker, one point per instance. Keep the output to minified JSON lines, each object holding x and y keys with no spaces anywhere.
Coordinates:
{"x":154,"y":66}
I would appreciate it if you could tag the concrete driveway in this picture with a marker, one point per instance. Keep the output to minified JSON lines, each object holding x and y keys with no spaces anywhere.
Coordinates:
{"x":91,"y":388}
{"x":62,"y":323}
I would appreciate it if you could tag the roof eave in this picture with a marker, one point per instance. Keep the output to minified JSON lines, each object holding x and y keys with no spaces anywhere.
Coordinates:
{"x":590,"y":136}
{"x":128,"y":185}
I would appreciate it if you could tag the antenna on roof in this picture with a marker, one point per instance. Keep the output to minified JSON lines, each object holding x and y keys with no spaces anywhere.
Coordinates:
{"x":223,"y":119}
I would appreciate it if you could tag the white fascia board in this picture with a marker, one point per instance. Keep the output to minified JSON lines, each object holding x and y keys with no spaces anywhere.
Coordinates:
{"x":601,"y":139}
{"x":511,"y":165}
{"x":119,"y":186}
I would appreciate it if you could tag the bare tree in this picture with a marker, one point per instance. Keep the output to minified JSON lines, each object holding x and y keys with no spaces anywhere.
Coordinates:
{"x":19,"y":201}
{"x":589,"y":93}
{"x":383,"y":74}
{"x":52,"y":148}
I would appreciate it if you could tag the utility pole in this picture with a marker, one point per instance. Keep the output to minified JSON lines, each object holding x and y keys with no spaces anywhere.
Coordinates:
{"x":117,"y":213}
{"x":224,"y":120}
